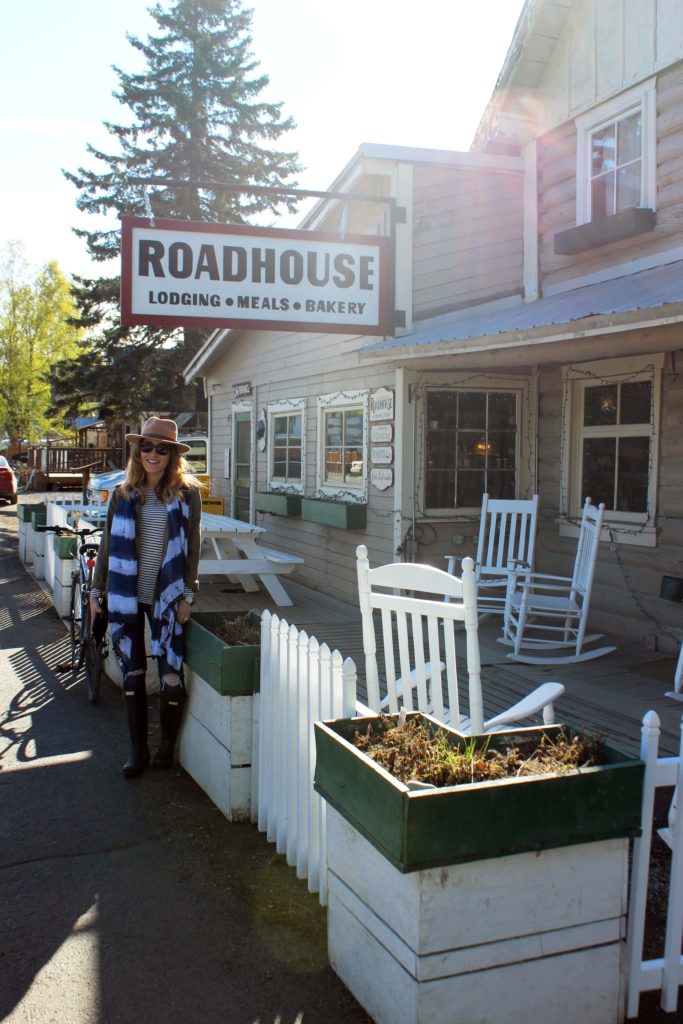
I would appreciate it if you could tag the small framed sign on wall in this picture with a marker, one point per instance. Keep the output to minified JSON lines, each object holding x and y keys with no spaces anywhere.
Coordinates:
{"x":382,"y":405}
{"x":382,"y":478}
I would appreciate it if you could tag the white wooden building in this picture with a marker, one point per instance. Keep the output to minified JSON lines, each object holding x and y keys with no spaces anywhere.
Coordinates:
{"x":539,"y":299}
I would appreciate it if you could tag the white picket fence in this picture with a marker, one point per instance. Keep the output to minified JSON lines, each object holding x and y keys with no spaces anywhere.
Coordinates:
{"x":302,"y":682}
{"x":665,"y":973}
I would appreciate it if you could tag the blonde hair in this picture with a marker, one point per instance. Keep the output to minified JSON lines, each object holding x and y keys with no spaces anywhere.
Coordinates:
{"x":177,"y":475}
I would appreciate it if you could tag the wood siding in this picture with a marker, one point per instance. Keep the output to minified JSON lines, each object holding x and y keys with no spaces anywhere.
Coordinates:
{"x":626,"y":597}
{"x":300,"y":366}
{"x":557,"y":192}
{"x":467,"y":237}
{"x":606,"y":47}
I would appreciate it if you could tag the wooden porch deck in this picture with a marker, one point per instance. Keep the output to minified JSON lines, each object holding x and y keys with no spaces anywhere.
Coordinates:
{"x":608,"y":696}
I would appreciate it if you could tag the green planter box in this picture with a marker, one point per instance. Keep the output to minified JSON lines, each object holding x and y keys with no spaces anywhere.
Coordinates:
{"x":334,"y":513}
{"x":24,"y":512}
{"x":232,"y":670}
{"x":278,"y":504}
{"x":38,"y":517}
{"x":65,"y":547}
{"x":429,"y":828}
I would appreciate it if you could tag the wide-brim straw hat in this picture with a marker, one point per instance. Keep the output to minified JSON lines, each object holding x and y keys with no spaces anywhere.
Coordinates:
{"x":165,"y":431}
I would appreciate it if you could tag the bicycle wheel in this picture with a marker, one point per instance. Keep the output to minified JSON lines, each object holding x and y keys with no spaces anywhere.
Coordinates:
{"x":93,"y":659}
{"x":75,"y":625}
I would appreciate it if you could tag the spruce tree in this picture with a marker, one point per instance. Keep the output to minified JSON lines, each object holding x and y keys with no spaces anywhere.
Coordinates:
{"x":195,"y":113}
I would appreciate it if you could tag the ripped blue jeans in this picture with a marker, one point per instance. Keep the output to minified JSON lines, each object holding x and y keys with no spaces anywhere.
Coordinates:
{"x":171,"y":682}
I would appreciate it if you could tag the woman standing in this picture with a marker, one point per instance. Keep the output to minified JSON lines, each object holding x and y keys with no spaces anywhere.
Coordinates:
{"x":147,"y":567}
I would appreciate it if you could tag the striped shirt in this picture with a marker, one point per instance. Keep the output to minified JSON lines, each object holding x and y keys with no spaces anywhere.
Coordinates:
{"x":153,"y":527}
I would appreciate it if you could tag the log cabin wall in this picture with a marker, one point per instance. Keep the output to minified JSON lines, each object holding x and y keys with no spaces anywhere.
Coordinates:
{"x":557,"y":193}
{"x":628,"y":578}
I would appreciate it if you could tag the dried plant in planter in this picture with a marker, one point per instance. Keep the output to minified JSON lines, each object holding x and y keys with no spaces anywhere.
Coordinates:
{"x":240,"y":631}
{"x":412,"y":752}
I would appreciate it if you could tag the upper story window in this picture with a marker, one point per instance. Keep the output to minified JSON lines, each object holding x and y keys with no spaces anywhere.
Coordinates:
{"x":610,"y":442}
{"x":616,"y":155}
{"x":286,"y":435}
{"x":616,"y":171}
{"x":342,"y":433}
{"x":472,"y":446}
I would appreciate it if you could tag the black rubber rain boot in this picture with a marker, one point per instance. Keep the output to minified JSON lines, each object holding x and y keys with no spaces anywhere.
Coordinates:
{"x":136,"y":712}
{"x":171,"y":703}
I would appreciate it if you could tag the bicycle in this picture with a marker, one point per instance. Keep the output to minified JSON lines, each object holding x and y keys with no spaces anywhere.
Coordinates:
{"x":88,"y":643}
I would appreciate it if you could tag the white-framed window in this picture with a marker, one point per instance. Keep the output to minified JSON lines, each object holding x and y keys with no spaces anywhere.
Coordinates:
{"x":286,"y":446}
{"x":342,"y":445}
{"x":611,"y":443}
{"x":616,"y":155}
{"x":475,"y":443}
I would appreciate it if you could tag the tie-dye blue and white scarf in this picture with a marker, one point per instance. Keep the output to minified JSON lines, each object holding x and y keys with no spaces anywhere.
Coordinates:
{"x":122,"y":599}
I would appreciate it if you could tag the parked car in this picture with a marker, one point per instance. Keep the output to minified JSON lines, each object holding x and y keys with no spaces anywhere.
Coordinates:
{"x":101,"y":485}
{"x":8,"y":482}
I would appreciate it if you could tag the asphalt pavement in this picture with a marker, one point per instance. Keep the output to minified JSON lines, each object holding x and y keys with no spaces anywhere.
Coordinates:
{"x":131,"y":900}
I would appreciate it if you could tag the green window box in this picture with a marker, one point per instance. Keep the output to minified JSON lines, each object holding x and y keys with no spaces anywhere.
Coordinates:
{"x":278,"y":504}
{"x":341,"y":515}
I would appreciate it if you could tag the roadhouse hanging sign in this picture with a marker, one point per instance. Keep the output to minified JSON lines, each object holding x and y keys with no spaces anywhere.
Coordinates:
{"x":192,"y":274}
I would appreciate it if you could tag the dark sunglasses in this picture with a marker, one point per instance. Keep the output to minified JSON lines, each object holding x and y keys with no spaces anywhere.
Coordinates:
{"x":149,"y":446}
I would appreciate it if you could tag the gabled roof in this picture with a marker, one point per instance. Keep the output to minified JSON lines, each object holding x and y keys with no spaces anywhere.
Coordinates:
{"x":649,"y":296}
{"x":508,"y":117}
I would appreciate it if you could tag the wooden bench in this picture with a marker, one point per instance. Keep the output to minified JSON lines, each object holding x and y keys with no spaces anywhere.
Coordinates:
{"x":280,"y":556}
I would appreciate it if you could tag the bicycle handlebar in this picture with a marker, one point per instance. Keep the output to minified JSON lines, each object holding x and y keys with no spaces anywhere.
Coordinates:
{"x":69,"y":531}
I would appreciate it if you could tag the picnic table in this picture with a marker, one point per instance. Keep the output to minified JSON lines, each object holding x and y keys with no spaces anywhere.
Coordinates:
{"x":230,"y":548}
{"x":233,"y":548}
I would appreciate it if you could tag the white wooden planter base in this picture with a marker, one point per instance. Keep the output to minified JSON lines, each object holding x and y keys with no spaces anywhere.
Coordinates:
{"x":22,"y":540}
{"x":534,"y":937}
{"x":61,"y":590}
{"x":216,"y":746}
{"x":38,"y":559}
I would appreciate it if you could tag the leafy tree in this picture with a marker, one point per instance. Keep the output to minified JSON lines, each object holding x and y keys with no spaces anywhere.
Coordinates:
{"x":37,"y":333}
{"x":196,"y":114}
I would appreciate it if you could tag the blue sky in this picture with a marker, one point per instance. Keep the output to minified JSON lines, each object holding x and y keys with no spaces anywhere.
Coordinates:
{"x":384,"y":71}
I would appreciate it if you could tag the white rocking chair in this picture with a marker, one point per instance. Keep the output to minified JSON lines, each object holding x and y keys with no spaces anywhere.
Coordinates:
{"x":544,"y":613}
{"x":507,"y":533}
{"x":416,"y":614}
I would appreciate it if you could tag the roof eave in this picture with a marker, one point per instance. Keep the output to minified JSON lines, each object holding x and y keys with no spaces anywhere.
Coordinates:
{"x":593,"y":326}
{"x":209,"y":352}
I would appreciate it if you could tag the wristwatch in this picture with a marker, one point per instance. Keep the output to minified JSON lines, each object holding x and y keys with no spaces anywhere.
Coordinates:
{"x":189,"y":597}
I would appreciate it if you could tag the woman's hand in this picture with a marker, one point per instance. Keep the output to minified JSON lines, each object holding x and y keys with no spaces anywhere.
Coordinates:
{"x":184,"y":611}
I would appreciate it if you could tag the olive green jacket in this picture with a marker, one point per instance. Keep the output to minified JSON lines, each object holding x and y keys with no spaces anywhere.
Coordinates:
{"x":194,"y":541}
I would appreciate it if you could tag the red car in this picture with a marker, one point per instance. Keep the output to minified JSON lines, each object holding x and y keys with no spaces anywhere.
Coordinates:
{"x":8,"y":482}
